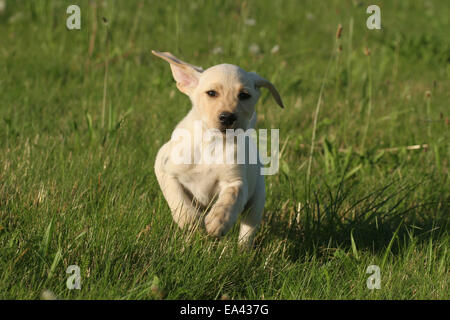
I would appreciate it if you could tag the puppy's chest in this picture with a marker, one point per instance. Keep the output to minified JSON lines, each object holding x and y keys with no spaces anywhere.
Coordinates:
{"x":202,"y":182}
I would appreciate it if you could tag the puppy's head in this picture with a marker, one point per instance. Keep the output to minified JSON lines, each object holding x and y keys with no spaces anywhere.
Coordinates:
{"x":224,"y":95}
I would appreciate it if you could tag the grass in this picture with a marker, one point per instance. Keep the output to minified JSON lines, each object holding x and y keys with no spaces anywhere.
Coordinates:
{"x":78,"y":143}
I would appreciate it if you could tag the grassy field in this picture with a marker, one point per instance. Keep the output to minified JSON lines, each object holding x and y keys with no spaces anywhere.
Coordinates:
{"x":364,"y":139}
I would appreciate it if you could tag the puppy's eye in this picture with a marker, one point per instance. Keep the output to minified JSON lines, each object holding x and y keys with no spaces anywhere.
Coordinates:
{"x":212,"y":93}
{"x":244,"y":95}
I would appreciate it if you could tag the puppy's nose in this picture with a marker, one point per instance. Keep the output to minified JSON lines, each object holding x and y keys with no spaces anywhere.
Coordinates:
{"x":227,"y":118}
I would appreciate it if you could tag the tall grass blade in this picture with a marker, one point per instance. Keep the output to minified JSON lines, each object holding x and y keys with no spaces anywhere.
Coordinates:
{"x":388,"y":249}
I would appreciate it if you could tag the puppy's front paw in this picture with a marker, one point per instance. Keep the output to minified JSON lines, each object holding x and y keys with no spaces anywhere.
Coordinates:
{"x":217,"y":223}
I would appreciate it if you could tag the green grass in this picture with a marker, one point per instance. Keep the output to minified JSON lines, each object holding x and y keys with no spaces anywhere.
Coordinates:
{"x":76,"y":166}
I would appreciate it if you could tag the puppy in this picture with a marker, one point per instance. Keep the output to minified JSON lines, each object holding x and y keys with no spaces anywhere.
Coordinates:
{"x":212,"y":194}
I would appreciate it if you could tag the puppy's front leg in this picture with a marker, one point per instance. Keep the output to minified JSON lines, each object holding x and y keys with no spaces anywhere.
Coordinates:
{"x":224,"y":212}
{"x":183,"y":210}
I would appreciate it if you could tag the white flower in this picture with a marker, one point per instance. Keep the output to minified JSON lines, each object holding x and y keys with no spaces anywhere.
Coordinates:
{"x":2,"y":5}
{"x":254,"y":48}
{"x":217,"y":50}
{"x":275,"y":49}
{"x":310,"y":16}
{"x":16,"y":17}
{"x":250,"y":22}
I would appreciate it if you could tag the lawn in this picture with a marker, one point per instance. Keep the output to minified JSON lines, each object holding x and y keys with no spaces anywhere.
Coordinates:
{"x":364,"y":149}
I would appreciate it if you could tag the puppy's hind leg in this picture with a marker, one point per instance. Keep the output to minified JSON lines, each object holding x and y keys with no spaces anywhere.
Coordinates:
{"x":251,"y":220}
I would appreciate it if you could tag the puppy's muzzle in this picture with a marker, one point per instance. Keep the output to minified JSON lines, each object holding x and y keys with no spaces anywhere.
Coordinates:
{"x":227,"y":119}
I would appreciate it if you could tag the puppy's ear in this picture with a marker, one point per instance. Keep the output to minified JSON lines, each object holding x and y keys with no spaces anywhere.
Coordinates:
{"x":261,"y":82}
{"x":186,"y":75}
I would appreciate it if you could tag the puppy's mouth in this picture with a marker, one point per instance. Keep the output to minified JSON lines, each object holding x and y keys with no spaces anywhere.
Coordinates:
{"x":224,"y":129}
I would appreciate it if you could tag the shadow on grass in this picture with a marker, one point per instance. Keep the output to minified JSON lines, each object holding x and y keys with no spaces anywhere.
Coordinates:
{"x":332,"y":218}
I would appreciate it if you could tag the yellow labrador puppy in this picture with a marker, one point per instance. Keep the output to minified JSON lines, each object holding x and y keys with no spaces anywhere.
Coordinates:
{"x":213,"y":193}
